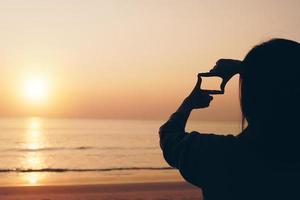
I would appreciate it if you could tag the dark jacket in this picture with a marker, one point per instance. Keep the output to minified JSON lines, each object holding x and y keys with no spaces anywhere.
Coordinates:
{"x":229,"y":167}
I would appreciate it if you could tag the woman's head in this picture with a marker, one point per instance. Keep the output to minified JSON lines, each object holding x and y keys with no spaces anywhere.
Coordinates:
{"x":270,"y":86}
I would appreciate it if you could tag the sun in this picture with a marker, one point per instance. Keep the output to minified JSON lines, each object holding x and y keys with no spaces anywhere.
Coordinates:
{"x":35,"y":89}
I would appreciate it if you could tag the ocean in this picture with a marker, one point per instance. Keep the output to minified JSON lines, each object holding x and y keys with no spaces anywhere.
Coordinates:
{"x":31,"y":148}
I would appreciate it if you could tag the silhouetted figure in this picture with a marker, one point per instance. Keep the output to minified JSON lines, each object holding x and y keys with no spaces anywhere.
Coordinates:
{"x":262,"y":162}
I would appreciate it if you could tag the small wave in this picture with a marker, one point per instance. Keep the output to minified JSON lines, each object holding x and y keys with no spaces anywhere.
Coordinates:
{"x":48,"y":149}
{"x":21,"y":170}
{"x":74,"y":148}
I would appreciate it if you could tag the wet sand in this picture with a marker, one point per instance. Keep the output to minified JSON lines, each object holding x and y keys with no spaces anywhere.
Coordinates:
{"x":123,"y":191}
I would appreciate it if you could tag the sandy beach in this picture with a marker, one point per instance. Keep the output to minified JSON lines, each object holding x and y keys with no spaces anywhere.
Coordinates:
{"x":119,"y":185}
{"x":135,"y":191}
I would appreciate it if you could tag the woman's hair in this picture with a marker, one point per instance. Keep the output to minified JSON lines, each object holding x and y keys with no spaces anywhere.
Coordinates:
{"x":269,"y":83}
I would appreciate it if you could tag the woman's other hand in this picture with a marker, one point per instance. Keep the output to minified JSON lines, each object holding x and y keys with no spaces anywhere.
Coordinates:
{"x":226,"y":69}
{"x":197,"y":99}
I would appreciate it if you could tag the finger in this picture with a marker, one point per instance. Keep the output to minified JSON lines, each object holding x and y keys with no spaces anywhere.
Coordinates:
{"x":221,"y":61}
{"x":199,"y":80}
{"x":208,"y":99}
{"x":198,"y":83}
{"x":207,"y":74}
{"x":223,"y":84}
{"x":212,"y":92}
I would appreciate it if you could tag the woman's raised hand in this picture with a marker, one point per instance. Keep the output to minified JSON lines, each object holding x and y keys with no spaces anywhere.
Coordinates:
{"x":226,"y":69}
{"x":198,"y":98}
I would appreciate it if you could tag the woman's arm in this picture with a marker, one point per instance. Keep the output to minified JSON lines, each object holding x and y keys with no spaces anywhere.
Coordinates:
{"x":172,"y":134}
{"x":201,"y":158}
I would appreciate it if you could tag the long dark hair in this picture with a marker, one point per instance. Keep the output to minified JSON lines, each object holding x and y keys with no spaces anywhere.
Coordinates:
{"x":269,"y":84}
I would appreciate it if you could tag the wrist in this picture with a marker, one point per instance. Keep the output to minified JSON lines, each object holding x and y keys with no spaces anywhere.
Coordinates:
{"x":185,"y":107}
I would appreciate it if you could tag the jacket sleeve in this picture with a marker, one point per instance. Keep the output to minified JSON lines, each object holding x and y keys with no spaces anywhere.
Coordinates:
{"x":200,"y":158}
{"x":173,"y":139}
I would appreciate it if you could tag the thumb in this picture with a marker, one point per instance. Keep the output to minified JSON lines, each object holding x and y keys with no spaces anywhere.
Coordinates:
{"x":198,"y":84}
{"x":223,"y":84}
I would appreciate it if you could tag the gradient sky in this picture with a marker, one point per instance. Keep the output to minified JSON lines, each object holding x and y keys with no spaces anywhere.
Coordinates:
{"x":129,"y":58}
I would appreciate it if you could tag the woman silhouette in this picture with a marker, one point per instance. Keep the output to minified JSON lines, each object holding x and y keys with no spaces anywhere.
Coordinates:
{"x":262,"y":162}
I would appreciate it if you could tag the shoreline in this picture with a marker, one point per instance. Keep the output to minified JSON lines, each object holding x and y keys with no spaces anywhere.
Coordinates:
{"x":87,"y":178}
{"x":148,"y":190}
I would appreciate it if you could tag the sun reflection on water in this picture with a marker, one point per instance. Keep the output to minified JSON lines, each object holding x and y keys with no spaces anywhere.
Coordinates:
{"x":34,"y":123}
{"x":34,"y":142}
{"x":33,"y":161}
{"x":32,"y":178}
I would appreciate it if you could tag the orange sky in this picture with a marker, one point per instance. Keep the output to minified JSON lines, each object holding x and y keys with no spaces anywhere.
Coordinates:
{"x":129,"y":58}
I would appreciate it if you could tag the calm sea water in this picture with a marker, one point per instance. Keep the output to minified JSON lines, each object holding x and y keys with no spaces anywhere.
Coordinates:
{"x":86,"y":145}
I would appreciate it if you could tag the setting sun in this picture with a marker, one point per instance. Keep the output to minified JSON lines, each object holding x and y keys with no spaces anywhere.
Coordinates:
{"x":35,"y":89}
